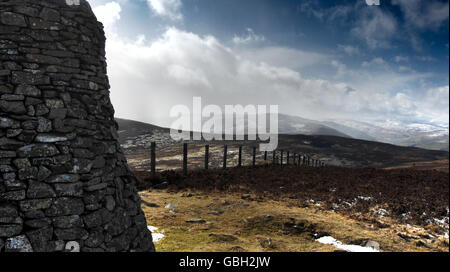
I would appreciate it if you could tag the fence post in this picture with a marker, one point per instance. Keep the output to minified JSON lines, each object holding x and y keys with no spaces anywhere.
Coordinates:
{"x":225,"y":151}
{"x":153,"y":159}
{"x":206,"y":157}
{"x":254,"y":156}
{"x":288,"y":158}
{"x":265,"y":155}
{"x":240,"y":156}
{"x":185,"y":158}
{"x":273,"y":156}
{"x":281,"y":157}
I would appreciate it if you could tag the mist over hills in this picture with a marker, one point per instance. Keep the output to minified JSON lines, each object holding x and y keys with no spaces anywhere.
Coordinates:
{"x":415,"y":135}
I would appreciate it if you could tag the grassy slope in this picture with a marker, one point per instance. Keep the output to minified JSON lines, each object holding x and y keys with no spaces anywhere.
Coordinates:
{"x":254,"y":223}
{"x":220,"y":198}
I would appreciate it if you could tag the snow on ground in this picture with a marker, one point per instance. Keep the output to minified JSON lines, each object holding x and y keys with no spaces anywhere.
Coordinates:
{"x":365,"y":198}
{"x":157,"y":236}
{"x":328,"y":240}
{"x":380,"y":212}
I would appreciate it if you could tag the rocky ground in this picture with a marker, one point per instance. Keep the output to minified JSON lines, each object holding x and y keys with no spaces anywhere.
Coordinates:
{"x":295,"y":209}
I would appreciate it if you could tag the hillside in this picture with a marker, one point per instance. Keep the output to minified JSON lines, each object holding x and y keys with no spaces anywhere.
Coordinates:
{"x":275,"y":209}
{"x":136,"y":138}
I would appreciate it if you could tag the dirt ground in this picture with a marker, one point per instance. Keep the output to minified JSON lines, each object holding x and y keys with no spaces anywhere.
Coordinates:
{"x":272,"y":209}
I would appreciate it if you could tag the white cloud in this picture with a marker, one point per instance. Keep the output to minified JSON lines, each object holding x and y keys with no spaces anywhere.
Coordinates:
{"x":401,"y":59}
{"x":284,"y":57}
{"x":341,"y":68}
{"x":108,"y":14}
{"x":370,"y":24}
{"x":434,"y":105}
{"x":420,"y":16}
{"x":251,"y":37}
{"x":425,"y":58}
{"x":376,"y":27}
{"x":349,"y":49}
{"x":424,"y":14}
{"x":166,"y":8}
{"x":148,"y":78}
{"x":338,"y":13}
{"x":374,"y":62}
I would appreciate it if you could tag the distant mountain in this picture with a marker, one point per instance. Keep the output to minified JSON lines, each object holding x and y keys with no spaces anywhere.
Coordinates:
{"x":288,"y":124}
{"x":416,"y":134}
{"x":296,"y":125}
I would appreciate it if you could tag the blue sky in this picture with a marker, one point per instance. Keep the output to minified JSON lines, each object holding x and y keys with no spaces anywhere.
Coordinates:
{"x":316,"y":59}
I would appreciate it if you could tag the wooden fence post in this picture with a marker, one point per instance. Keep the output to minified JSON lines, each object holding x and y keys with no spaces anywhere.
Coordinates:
{"x":225,"y":151}
{"x":206,"y":157}
{"x":254,"y":156}
{"x":265,"y":155}
{"x":281,"y":157}
{"x":153,"y":159}
{"x":274,"y":154}
{"x":288,"y":158}
{"x":240,"y":157}
{"x":185,"y":158}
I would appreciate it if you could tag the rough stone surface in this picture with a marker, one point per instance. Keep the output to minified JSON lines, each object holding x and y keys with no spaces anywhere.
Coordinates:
{"x":64,"y":182}
{"x":18,"y":244}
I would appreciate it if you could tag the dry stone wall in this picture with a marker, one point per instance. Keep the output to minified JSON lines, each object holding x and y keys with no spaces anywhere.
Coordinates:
{"x":64,"y":181}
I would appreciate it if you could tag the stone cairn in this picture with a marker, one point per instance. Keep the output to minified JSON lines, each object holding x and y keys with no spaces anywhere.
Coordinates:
{"x":64,"y":181}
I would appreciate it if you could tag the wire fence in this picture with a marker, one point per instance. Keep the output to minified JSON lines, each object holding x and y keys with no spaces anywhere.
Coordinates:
{"x":279,"y":157}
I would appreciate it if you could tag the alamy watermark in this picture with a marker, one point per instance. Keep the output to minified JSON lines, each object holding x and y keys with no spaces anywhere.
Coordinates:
{"x":373,"y":2}
{"x":73,"y":2}
{"x":228,"y":124}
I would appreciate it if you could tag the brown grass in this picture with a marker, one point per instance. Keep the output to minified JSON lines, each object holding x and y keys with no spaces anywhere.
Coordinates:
{"x":236,"y":224}
{"x":439,"y":165}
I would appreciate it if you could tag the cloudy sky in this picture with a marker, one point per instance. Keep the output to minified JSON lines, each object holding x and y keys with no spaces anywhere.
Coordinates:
{"x":315,"y":59}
